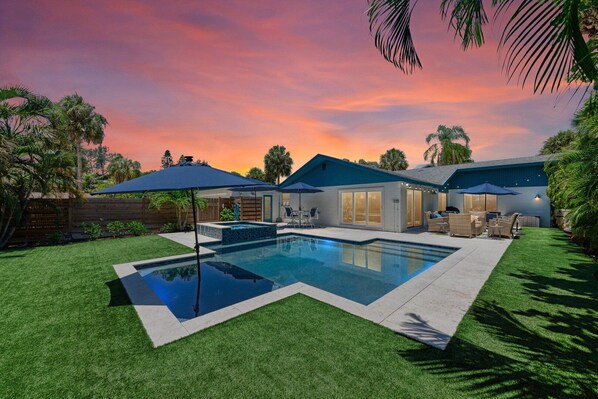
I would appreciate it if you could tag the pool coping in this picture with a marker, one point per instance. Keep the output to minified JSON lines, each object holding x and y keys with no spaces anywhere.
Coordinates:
{"x":427,"y":308}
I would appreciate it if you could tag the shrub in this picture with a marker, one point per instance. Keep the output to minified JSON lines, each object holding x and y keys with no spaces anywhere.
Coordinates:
{"x":227,"y":215}
{"x":136,"y":228}
{"x":168,"y":228}
{"x":92,"y":230}
{"x":55,"y":237}
{"x":116,"y":228}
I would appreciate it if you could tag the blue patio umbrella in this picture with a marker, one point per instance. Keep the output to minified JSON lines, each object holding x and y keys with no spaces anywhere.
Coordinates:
{"x":300,"y":188}
{"x":255,"y":188}
{"x":186,"y":176}
{"x":487,"y":188}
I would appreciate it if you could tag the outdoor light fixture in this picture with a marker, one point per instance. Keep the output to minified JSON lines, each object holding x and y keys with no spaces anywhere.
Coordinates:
{"x":538,"y":197}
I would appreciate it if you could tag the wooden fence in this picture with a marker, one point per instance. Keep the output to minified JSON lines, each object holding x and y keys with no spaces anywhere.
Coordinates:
{"x":46,"y":217}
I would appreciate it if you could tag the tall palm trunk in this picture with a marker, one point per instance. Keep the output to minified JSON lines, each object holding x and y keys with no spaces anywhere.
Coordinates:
{"x":79,"y":168}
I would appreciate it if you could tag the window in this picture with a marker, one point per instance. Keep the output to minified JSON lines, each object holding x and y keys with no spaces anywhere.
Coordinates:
{"x":286,"y":199}
{"x":362,"y":208}
{"x":442,"y":202}
{"x":479,"y":202}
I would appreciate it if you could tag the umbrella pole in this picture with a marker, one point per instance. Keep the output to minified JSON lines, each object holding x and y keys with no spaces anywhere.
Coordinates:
{"x":195,"y":230}
{"x":300,"y":211}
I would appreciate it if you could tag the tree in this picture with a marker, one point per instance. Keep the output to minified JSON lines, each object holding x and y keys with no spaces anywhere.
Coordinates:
{"x":277,"y":163}
{"x":550,"y":46}
{"x":393,"y":160}
{"x":447,"y":151}
{"x":181,"y":200}
{"x":122,"y":169}
{"x":256,"y":173}
{"x":166,"y":160}
{"x":95,"y":159}
{"x":373,"y":164}
{"x":573,"y":177}
{"x":181,"y":160}
{"x":33,"y":156}
{"x":80,"y":123}
{"x":558,"y":143}
{"x":235,"y":173}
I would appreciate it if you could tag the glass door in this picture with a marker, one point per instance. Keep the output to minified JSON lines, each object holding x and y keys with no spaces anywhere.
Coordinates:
{"x":267,"y":208}
{"x":414,"y":208}
{"x":362,"y":208}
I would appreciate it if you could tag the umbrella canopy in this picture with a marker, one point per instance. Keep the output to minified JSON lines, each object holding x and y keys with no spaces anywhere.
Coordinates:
{"x":261,"y":187}
{"x":300,"y":188}
{"x":487,"y":188}
{"x":185,"y":176}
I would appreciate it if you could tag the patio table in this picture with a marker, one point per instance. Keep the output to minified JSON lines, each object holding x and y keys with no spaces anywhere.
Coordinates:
{"x":494,"y":230}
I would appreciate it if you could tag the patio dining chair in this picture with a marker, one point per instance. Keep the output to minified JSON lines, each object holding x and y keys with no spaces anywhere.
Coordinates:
{"x":290,"y":216}
{"x":312,"y":216}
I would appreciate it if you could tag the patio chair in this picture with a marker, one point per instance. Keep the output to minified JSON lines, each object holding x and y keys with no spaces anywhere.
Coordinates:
{"x":290,"y":216}
{"x":464,"y":225}
{"x":313,"y":215}
{"x":434,"y":224}
{"x":506,"y":225}
{"x":481,"y":216}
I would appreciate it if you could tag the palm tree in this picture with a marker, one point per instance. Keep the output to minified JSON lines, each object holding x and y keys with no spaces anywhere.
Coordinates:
{"x":573,"y":177}
{"x":447,"y":151}
{"x":80,"y":123}
{"x":256,"y":173}
{"x":558,"y":143}
{"x":33,"y":157}
{"x":393,"y":160}
{"x":181,"y":200}
{"x":542,"y":38}
{"x":122,"y":169}
{"x":277,"y":163}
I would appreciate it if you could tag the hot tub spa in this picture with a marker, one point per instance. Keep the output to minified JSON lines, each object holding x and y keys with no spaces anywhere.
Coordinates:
{"x":235,"y":232}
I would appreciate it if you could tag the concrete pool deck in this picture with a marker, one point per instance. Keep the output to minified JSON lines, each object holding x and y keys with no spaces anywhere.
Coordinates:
{"x":427,"y":308}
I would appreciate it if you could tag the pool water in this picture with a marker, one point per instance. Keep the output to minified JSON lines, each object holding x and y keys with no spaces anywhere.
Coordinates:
{"x":359,"y":272}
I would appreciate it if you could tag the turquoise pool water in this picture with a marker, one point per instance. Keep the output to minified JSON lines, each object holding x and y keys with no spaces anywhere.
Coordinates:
{"x":360,"y":272}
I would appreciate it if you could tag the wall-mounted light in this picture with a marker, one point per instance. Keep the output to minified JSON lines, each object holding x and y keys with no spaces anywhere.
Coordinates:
{"x":538,"y":197}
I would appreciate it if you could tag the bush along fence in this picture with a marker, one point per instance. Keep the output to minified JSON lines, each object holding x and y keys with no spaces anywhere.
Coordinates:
{"x":58,"y":220}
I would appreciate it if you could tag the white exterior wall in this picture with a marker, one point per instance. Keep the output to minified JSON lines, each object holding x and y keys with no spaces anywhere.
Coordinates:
{"x":507,"y":204}
{"x":328,"y":203}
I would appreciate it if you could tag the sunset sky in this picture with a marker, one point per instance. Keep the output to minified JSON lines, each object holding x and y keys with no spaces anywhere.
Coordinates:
{"x":226,"y":80}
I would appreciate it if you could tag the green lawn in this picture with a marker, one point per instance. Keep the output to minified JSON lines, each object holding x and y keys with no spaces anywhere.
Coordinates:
{"x":67,"y":330}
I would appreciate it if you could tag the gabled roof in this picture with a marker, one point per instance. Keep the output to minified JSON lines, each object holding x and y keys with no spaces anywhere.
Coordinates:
{"x":376,"y":173}
{"x":439,"y":175}
{"x":433,"y":176}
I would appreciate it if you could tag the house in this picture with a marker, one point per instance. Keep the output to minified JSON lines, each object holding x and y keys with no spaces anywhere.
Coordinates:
{"x":361,"y":196}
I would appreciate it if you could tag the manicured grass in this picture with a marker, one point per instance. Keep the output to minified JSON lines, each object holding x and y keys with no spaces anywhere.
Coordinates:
{"x":68,"y":330}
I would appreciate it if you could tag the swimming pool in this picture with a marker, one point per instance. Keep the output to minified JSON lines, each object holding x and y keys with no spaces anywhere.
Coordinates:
{"x":361,"y":272}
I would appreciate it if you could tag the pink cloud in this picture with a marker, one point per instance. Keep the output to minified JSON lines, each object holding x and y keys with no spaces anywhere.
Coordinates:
{"x":225,"y":81}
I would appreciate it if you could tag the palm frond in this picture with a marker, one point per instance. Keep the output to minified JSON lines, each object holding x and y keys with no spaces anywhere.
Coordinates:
{"x":390,"y":22}
{"x":543,"y":39}
{"x":467,"y":18}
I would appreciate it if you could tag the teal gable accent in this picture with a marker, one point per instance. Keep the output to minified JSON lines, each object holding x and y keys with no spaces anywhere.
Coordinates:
{"x":330,"y":173}
{"x":516,"y":176}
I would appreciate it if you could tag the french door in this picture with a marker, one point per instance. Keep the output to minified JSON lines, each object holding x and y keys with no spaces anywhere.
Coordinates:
{"x":414,"y":208}
{"x":361,"y":208}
